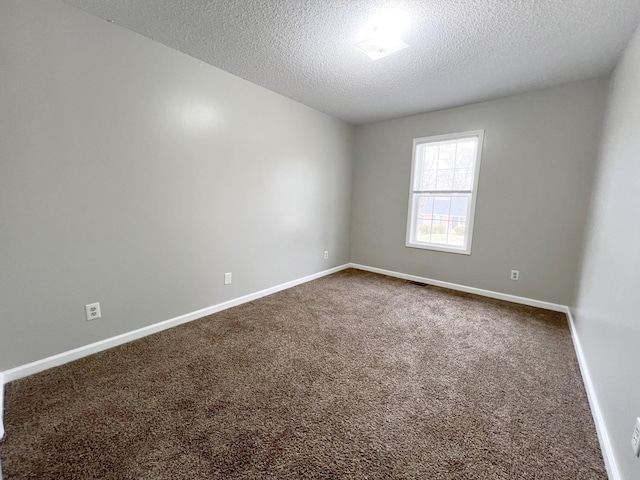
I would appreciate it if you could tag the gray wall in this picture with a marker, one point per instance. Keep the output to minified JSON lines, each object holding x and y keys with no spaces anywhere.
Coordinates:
{"x":134,"y":175}
{"x":607,"y":314}
{"x":537,"y":170}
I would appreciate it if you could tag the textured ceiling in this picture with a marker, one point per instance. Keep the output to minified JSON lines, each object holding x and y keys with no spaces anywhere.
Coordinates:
{"x":460,"y":51}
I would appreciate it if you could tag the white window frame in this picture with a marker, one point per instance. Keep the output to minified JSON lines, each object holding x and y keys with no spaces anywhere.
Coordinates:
{"x":465,"y":249}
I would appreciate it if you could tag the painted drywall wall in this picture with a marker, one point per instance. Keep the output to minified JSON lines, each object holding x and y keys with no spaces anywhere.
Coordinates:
{"x":136,"y":176}
{"x":607,"y":311}
{"x":538,"y":164}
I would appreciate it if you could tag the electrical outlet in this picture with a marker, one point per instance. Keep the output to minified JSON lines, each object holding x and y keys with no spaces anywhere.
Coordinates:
{"x":326,"y":254}
{"x":515,"y":274}
{"x":635,"y":439}
{"x":92,"y":311}
{"x":227,"y":278}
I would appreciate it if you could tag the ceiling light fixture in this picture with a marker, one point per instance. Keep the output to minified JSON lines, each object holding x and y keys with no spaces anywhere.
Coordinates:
{"x":383,"y":35}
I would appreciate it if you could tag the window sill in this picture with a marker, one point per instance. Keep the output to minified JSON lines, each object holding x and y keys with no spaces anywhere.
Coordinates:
{"x":439,"y":248}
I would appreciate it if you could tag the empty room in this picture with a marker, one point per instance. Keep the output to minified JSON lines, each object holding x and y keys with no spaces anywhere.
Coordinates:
{"x":323,"y":240}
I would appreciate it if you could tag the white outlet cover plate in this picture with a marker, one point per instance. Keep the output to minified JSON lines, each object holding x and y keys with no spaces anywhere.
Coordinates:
{"x":92,"y":311}
{"x":227,"y":278}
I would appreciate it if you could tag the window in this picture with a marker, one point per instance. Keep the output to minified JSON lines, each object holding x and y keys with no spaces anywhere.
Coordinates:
{"x":444,"y":181}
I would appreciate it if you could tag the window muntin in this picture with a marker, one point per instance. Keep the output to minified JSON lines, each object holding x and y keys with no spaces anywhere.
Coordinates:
{"x":444,"y":180}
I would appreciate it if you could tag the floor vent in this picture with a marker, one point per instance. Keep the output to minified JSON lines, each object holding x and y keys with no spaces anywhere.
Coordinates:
{"x":420,"y":284}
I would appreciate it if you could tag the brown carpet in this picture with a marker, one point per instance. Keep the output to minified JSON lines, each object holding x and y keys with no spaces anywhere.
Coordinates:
{"x":352,"y":376}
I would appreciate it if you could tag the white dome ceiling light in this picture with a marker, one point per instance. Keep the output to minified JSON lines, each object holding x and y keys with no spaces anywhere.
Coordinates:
{"x":382,"y":37}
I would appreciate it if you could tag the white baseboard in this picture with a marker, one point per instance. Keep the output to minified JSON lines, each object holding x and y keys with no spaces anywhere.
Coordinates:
{"x":463,"y":288}
{"x":65,"y":357}
{"x":601,"y":428}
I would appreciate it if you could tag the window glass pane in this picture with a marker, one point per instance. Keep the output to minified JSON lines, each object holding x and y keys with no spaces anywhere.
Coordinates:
{"x":460,"y":206}
{"x":440,"y":219}
{"x":444,"y":179}
{"x":429,"y":180}
{"x":456,"y":235}
{"x":423,"y":208}
{"x":430,"y":156}
{"x":426,"y":163}
{"x":465,"y":155}
{"x":463,"y":179}
{"x":445,"y":166}
{"x":446,"y":156}
{"x":441,"y":209}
